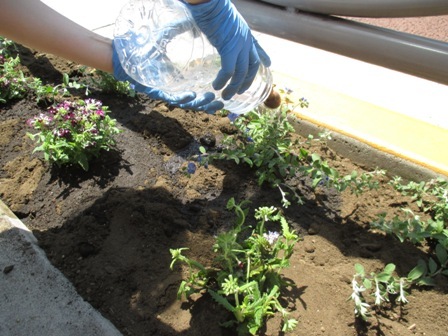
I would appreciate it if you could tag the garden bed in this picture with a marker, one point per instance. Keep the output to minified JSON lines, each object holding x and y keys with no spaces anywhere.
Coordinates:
{"x":110,"y":229}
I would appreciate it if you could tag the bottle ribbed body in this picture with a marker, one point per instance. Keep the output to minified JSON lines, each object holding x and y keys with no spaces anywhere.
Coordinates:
{"x":160,"y":46}
{"x":257,"y":93}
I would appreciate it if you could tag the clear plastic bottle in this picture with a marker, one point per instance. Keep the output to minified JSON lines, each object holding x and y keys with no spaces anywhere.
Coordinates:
{"x":159,"y":45}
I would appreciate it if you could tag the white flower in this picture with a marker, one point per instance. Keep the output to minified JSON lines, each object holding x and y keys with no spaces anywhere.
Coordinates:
{"x":271,"y":236}
{"x":402,"y":297}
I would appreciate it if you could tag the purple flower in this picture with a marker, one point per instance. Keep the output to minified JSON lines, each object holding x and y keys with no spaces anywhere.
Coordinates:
{"x":232,"y":116}
{"x":62,"y":132}
{"x":30,"y":122}
{"x":90,"y":103}
{"x":191,"y":168}
{"x":100,"y":113}
{"x":69,"y":116}
{"x":271,"y":237}
{"x":5,"y":83}
{"x":324,"y":180}
{"x":41,"y":119}
{"x":288,"y":90}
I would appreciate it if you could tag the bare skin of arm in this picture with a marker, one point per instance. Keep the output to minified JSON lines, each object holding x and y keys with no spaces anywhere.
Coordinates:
{"x":35,"y":25}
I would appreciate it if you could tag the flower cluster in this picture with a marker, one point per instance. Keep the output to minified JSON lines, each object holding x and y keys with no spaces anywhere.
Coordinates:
{"x":74,"y":131}
{"x":271,"y":237}
{"x":41,"y":120}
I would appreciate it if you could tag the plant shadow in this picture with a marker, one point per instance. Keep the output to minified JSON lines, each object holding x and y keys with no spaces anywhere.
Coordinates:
{"x":116,"y":251}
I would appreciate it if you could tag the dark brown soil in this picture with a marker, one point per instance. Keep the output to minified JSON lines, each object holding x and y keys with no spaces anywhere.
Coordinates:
{"x":109,"y":230}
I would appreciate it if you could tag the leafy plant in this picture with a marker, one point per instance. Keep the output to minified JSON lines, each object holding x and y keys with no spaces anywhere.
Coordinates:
{"x":265,"y":141}
{"x":107,"y":83}
{"x":380,"y":285}
{"x":7,"y":48}
{"x":412,"y":228}
{"x":52,"y":93}
{"x":385,"y":284}
{"x":13,"y":83}
{"x":245,"y":277}
{"x":74,"y":132}
{"x":431,"y":197}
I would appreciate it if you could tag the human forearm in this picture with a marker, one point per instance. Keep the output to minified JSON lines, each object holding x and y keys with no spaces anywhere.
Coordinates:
{"x":34,"y":24}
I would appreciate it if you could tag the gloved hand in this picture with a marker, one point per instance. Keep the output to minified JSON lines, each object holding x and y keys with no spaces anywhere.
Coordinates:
{"x":229,"y":33}
{"x":186,"y":100}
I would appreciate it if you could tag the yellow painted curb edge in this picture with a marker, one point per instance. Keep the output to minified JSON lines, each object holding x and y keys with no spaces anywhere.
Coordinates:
{"x":383,"y":129}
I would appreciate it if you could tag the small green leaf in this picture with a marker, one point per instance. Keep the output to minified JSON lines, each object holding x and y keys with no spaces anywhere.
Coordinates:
{"x":367,"y":283}
{"x":418,"y":271}
{"x":359,"y":269}
{"x":303,"y":153}
{"x":432,"y":266}
{"x":316,"y":181}
{"x":389,"y":268}
{"x":441,"y":254}
{"x":221,"y":300}
{"x":426,"y":282}
{"x":83,"y":162}
{"x":230,"y":203}
{"x":383,"y":277}
{"x":248,"y":161}
{"x":289,"y":325}
{"x":315,"y":157}
{"x":65,"y":79}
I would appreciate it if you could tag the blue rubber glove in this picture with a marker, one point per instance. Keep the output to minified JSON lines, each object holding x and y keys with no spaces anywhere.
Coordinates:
{"x":229,"y":33}
{"x":186,"y":100}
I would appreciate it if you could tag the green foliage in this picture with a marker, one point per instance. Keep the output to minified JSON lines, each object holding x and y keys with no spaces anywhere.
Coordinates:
{"x":7,"y":48}
{"x":74,"y":132}
{"x":265,"y":141}
{"x":432,"y":198}
{"x":412,"y":228}
{"x":52,"y":93}
{"x":13,"y":83}
{"x":246,"y":274}
{"x":380,"y":285}
{"x":324,"y":175}
{"x":107,"y":83}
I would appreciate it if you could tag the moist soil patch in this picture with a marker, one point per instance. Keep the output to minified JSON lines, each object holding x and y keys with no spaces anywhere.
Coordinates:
{"x":109,"y":230}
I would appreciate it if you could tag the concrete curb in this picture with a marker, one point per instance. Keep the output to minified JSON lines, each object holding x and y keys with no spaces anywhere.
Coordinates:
{"x":36,"y":297}
{"x":367,"y":156}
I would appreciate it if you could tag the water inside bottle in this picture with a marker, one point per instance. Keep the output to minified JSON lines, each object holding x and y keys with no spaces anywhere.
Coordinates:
{"x":160,"y":46}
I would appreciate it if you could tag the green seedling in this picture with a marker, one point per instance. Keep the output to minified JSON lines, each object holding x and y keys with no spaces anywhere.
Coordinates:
{"x":246,"y":274}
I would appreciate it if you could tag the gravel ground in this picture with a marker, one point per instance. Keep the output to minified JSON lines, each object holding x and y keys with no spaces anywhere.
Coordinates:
{"x":435,"y":27}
